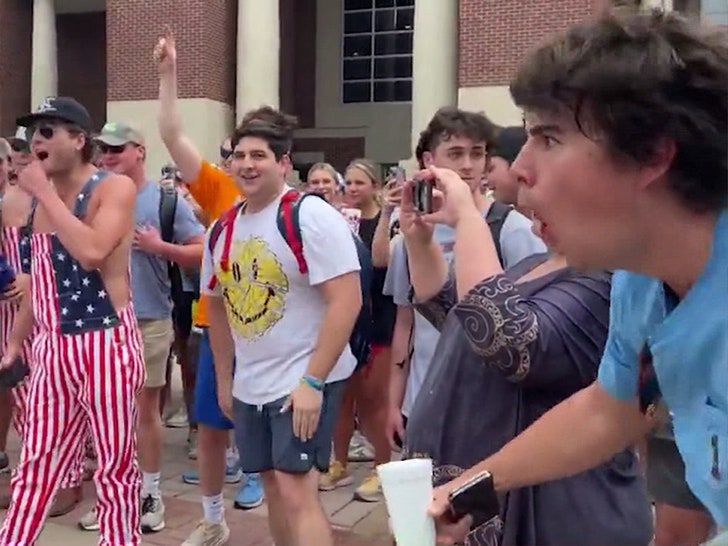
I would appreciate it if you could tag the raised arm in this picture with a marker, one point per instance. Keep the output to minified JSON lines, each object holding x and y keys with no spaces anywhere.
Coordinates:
{"x":552,"y":340}
{"x":183,"y":152}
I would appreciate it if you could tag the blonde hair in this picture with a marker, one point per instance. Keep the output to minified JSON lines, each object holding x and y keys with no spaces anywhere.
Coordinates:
{"x":369,"y":168}
{"x":324,"y":167}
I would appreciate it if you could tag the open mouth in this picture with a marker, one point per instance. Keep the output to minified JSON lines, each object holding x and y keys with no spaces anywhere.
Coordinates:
{"x":42,"y":155}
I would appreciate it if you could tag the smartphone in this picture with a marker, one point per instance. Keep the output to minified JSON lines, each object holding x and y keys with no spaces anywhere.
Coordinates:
{"x":11,"y":376}
{"x":422,"y":196}
{"x":476,"y":498}
{"x":396,"y":176}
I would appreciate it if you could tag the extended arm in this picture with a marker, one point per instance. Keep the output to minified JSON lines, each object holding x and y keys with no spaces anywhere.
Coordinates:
{"x":181,"y":149}
{"x":578,"y":434}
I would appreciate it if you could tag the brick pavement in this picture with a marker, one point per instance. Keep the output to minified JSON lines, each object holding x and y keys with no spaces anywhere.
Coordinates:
{"x":356,"y":523}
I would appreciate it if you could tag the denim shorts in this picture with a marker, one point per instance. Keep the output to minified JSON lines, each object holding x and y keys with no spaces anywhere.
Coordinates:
{"x":266,"y":441}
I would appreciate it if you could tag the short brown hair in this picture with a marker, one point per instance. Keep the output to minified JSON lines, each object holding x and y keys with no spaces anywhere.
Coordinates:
{"x":633,"y":79}
{"x":273,"y":126}
{"x":451,"y":122}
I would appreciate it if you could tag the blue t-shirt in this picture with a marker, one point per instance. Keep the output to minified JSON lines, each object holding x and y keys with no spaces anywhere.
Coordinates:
{"x":689,"y":347}
{"x":150,"y":285}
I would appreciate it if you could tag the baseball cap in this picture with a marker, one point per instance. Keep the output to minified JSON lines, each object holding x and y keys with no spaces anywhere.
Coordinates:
{"x":19,"y":141}
{"x":59,"y":108}
{"x":508,"y":143}
{"x":118,"y":134}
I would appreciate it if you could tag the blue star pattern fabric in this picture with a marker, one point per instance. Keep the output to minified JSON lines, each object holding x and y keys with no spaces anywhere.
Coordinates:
{"x":83,"y":303}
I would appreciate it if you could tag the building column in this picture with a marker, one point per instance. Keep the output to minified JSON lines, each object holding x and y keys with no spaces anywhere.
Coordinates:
{"x":259,"y":44}
{"x":44,"y":71}
{"x":665,"y":5}
{"x":434,"y":61}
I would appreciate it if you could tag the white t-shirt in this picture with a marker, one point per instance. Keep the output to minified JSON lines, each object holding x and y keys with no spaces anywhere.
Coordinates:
{"x":274,"y":311}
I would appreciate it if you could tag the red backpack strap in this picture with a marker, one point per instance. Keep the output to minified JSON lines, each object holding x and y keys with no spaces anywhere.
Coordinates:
{"x":290,"y":227}
{"x":225,"y":223}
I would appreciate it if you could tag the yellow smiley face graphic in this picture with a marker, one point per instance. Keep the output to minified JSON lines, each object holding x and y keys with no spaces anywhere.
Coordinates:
{"x":254,"y":288}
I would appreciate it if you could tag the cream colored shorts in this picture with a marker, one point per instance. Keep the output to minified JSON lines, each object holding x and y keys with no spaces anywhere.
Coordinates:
{"x":157,"y":336}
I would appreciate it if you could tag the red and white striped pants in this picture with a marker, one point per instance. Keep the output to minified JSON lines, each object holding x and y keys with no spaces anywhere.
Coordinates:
{"x":19,"y":394}
{"x":79,"y":381}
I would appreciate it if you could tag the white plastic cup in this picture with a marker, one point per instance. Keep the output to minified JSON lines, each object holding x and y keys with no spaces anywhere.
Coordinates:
{"x":407,"y":487}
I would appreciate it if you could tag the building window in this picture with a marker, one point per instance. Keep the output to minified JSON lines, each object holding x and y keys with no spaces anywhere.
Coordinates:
{"x":377,"y":50}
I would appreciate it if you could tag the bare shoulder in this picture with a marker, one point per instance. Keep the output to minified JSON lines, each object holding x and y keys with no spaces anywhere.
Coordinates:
{"x":117,"y":189}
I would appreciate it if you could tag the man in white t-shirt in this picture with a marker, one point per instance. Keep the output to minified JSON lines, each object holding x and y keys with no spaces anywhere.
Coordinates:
{"x":287,"y":331}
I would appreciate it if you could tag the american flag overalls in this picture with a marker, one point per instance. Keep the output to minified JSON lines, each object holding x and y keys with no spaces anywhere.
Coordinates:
{"x":87,"y":370}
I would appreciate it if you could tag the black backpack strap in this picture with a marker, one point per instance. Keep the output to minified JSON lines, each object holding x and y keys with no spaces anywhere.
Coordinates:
{"x":167,"y":211}
{"x":496,"y":217}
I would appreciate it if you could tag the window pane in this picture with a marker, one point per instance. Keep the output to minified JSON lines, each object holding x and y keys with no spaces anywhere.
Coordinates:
{"x":405,"y":19}
{"x":393,"y":44}
{"x":392,"y":67}
{"x":385,"y":3}
{"x":357,"y":46}
{"x":405,"y":2}
{"x":393,"y":91}
{"x":357,"y":4}
{"x":360,"y":21}
{"x":357,"y":69}
{"x":385,"y":20}
{"x":357,"y":92}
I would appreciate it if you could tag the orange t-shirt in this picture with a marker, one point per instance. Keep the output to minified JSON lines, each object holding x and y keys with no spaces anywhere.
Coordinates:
{"x":215,"y":192}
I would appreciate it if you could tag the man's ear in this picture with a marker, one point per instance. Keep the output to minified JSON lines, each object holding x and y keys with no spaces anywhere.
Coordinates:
{"x":659,"y":162}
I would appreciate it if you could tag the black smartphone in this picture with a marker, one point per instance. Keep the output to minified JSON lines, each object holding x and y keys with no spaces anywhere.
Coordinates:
{"x":476,"y":498}
{"x":422,"y":196}
{"x":11,"y":376}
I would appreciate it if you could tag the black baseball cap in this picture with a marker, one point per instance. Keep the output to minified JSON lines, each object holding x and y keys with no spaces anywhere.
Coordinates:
{"x":59,"y":108}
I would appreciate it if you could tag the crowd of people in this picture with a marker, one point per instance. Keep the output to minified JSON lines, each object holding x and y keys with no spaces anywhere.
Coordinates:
{"x":553,"y":319}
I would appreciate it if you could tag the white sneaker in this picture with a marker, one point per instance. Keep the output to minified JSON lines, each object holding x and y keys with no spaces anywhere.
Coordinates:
{"x":208,"y":534}
{"x":89,"y":521}
{"x":178,"y":419}
{"x":152,"y":520}
{"x":360,"y":450}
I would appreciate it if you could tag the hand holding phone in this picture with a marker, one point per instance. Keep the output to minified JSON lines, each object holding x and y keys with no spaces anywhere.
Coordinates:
{"x":477,"y":498}
{"x":14,"y":374}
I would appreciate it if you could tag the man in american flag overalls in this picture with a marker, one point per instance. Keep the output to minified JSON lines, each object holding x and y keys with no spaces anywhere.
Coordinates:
{"x":86,"y":356}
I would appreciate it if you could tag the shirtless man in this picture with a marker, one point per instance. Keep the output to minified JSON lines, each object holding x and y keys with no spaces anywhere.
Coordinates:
{"x":87,"y":349}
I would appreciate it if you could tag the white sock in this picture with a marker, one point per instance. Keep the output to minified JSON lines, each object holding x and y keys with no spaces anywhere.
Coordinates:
{"x":213,"y":508}
{"x":231,"y":457}
{"x":150,"y":484}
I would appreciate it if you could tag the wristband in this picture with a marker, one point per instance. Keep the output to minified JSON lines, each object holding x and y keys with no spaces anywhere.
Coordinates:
{"x":313,"y":382}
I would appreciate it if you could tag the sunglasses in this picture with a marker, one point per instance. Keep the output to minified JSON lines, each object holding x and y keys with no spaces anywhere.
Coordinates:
{"x":46,"y":131}
{"x":225,"y":153}
{"x":114,"y":150}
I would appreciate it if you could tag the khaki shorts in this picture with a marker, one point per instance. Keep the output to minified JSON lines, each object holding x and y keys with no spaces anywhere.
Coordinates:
{"x":157,"y":337}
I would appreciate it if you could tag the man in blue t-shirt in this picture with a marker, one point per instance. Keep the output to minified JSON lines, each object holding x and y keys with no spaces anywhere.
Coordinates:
{"x":123,"y":151}
{"x":625,"y":169}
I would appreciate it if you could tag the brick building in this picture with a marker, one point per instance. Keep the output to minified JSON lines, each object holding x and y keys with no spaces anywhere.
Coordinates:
{"x":363,"y":76}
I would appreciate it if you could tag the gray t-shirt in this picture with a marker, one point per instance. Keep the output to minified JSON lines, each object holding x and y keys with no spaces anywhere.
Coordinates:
{"x":150,"y":283}
{"x":517,"y":242}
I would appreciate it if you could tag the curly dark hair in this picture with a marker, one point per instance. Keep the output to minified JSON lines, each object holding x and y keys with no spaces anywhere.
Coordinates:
{"x":273,"y":126}
{"x":450,"y":122}
{"x":632,"y":80}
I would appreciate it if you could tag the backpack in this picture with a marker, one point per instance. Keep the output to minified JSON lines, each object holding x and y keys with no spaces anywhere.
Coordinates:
{"x":167,"y":210}
{"x":496,"y":217}
{"x":289,"y":226}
